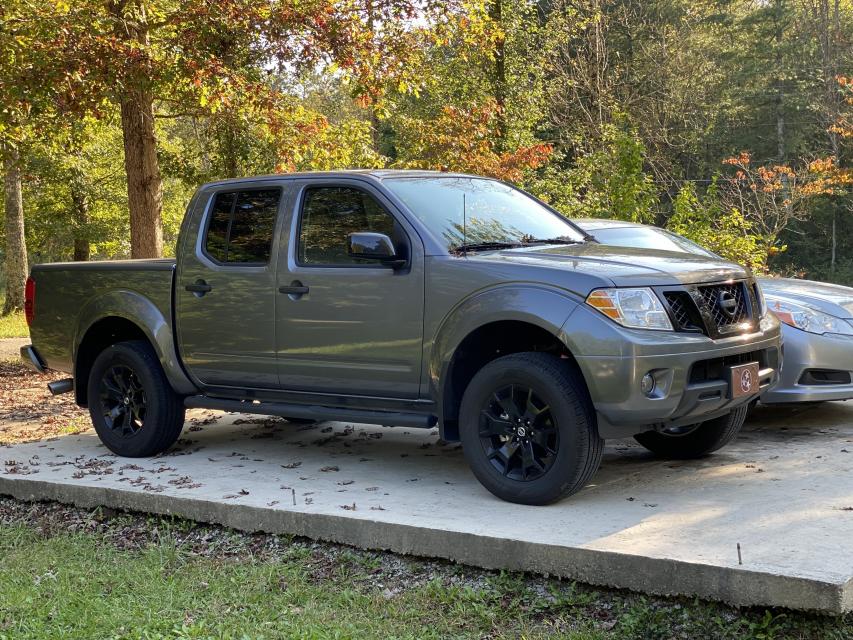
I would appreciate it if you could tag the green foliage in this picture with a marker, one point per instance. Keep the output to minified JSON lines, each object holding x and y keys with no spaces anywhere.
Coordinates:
{"x":605,"y":109}
{"x":724,"y":231}
{"x":607,"y":181}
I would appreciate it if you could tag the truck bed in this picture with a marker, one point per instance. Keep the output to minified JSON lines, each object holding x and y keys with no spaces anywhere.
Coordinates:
{"x":68,"y":294}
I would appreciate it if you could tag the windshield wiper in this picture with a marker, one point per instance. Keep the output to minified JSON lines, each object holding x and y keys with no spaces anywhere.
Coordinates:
{"x":486,"y":246}
{"x":561,"y":240}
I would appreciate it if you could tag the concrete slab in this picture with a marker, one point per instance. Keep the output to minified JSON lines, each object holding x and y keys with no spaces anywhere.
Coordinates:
{"x":783,"y":491}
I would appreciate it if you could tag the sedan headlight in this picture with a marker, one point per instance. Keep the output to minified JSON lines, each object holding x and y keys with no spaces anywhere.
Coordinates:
{"x":808,"y":319}
{"x":634,"y":308}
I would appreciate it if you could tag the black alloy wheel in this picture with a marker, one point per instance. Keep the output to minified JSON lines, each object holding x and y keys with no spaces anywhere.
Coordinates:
{"x":134,"y":409}
{"x":518,"y":432}
{"x":528,"y":428}
{"x":123,"y":402}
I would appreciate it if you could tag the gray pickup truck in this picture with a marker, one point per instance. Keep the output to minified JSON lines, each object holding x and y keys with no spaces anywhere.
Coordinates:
{"x":414,"y":299}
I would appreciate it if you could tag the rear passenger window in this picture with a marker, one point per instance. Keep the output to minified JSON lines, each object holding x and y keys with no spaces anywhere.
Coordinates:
{"x":241,"y":226}
{"x":330,"y":214}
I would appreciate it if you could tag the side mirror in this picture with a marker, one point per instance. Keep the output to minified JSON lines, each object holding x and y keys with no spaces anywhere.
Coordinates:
{"x":374,"y":246}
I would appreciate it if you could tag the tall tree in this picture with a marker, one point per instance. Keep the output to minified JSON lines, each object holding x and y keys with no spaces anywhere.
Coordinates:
{"x":16,"y":248}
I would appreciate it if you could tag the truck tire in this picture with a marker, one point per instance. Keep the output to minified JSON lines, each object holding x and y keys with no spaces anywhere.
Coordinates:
{"x":134,"y":410}
{"x":695,"y":441}
{"x":528,"y":429}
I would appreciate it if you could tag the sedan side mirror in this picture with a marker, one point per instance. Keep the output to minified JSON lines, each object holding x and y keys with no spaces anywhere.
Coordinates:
{"x":367,"y":245}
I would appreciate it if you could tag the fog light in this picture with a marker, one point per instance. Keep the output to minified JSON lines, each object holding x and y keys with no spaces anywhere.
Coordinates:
{"x":648,"y":384}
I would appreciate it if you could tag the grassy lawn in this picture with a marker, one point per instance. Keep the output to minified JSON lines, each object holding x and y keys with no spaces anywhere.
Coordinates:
{"x":68,"y":573}
{"x":13,"y":325}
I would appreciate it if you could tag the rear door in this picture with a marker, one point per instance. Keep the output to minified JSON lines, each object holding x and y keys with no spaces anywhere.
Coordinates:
{"x":357,"y":326}
{"x":225,"y":289}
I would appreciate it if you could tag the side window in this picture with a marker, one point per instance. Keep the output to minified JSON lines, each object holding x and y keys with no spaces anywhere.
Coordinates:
{"x":330,"y":214}
{"x":241,"y":226}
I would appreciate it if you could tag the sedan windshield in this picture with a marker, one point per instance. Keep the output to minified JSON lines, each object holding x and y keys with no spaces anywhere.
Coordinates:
{"x":648,"y":238}
{"x":478,"y":213}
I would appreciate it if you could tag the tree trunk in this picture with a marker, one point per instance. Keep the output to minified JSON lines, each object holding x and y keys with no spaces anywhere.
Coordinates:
{"x":780,"y":89}
{"x":16,"y":247}
{"x":496,"y":14}
{"x":144,"y":185}
{"x":136,"y":99}
{"x":80,"y":217}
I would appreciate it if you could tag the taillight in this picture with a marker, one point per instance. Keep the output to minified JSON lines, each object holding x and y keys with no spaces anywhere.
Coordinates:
{"x":30,"y":301}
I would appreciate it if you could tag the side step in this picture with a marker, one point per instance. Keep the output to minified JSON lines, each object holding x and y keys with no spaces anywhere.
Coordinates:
{"x":315,"y":412}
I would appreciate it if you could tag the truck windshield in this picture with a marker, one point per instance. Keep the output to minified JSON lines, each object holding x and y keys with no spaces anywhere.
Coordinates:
{"x":494,"y":213}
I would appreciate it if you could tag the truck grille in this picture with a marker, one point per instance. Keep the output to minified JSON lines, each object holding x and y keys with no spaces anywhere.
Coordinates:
{"x":715,"y":310}
{"x":735,"y":314}
{"x":684,"y":311}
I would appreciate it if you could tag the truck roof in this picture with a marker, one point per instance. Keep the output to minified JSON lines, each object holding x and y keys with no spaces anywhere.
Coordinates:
{"x":376,"y":174}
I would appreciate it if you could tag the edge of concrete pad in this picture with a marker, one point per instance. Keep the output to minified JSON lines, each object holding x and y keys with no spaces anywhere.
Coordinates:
{"x":740,"y":587}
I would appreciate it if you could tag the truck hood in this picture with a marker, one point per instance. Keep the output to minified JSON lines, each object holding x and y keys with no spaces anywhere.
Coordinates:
{"x":623,"y":266}
{"x":834,"y":299}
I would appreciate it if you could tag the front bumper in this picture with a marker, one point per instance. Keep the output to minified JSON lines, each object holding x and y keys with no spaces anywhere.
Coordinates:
{"x":31,"y":358}
{"x":690,"y":374}
{"x":804,"y":352}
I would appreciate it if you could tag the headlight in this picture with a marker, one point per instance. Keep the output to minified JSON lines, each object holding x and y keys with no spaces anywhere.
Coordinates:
{"x":635,"y":308}
{"x":762,"y":302}
{"x":808,"y":319}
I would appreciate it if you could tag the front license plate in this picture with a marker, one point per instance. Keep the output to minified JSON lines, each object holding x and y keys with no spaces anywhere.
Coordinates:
{"x":744,"y":379}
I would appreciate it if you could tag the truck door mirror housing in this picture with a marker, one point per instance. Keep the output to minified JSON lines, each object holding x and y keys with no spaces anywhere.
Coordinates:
{"x":368,"y":245}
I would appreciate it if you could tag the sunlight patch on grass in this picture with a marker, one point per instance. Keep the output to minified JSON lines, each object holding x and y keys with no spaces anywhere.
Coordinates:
{"x":14,"y":325}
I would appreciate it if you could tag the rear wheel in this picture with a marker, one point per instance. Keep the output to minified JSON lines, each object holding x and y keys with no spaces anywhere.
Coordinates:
{"x":528,"y":430}
{"x":696,"y":440}
{"x":134,"y":410}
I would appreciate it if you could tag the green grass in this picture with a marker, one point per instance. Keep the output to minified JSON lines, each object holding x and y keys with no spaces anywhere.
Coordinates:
{"x":14,"y":325}
{"x":175,"y":584}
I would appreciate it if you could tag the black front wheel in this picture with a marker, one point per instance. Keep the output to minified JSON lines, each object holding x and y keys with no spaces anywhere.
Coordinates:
{"x":528,"y":430}
{"x":135,"y":412}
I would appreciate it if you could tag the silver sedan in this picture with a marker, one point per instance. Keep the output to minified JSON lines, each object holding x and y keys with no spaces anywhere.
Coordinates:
{"x":817,"y":318}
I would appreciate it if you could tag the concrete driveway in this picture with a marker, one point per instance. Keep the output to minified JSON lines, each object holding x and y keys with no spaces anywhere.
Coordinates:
{"x":783,"y":493}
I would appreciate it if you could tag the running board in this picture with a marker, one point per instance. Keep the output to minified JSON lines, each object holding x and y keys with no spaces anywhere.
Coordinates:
{"x":315,"y":412}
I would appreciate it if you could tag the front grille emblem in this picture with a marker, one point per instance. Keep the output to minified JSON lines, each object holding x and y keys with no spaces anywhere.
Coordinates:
{"x":727,"y":303}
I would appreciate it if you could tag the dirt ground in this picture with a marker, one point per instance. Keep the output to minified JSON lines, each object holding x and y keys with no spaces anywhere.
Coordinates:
{"x":28,"y":411}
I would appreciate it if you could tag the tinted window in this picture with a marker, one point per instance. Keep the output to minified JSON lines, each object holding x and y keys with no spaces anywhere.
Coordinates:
{"x":241,"y":226}
{"x":217,"y":229}
{"x":329,"y":215}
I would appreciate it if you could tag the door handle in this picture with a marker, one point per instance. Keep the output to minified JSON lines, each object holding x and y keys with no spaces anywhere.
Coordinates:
{"x":295,"y":289}
{"x":199,"y":288}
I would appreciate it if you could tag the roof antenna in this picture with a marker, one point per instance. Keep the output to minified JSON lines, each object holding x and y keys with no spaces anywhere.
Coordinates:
{"x":464,"y":228}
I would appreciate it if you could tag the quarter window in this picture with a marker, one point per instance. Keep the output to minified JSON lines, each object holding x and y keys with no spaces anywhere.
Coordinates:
{"x":330,"y":214}
{"x":241,"y":226}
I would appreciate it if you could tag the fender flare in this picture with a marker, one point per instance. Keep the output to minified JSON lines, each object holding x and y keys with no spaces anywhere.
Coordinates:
{"x":142,"y":312}
{"x":545,"y":307}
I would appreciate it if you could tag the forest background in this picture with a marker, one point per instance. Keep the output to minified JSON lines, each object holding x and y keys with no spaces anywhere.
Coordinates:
{"x":729,"y":121}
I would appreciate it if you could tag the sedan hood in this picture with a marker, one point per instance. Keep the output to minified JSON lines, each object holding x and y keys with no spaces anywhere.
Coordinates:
{"x":834,"y":299}
{"x":624,"y":266}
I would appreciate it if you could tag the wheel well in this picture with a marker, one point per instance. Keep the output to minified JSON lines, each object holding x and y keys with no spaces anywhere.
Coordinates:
{"x":99,"y":336}
{"x":480,"y":347}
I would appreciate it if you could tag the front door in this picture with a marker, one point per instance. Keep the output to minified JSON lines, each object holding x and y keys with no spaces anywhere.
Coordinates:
{"x":346,"y":325}
{"x":225,"y":288}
